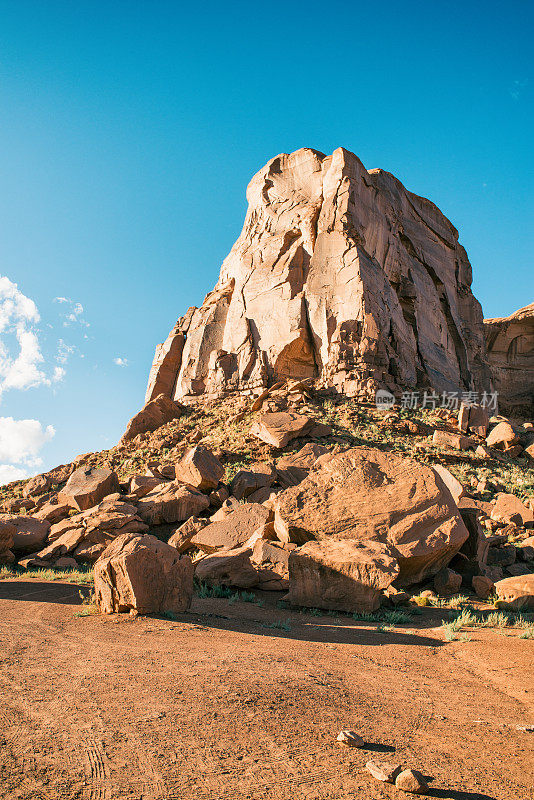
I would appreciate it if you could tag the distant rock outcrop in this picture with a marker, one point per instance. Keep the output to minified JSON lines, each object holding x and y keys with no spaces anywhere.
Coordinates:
{"x":510,"y":343}
{"x":340,"y":274}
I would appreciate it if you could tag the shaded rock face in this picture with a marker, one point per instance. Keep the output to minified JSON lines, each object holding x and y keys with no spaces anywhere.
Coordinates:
{"x":510,"y":344}
{"x":340,"y":575}
{"x":340,"y":274}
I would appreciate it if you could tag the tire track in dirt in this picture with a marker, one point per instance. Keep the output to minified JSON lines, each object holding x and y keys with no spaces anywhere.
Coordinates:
{"x":96,"y":772}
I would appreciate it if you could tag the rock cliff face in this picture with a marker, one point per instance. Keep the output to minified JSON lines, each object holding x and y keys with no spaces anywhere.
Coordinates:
{"x":340,"y":274}
{"x":510,"y":343}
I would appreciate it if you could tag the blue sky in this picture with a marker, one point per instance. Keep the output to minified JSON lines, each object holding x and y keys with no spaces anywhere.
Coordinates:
{"x":129,"y":131}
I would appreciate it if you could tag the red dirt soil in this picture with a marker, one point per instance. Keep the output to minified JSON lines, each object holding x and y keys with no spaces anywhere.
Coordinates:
{"x":217,"y":705}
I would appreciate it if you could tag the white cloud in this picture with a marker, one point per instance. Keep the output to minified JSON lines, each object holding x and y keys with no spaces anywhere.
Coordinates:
{"x":18,"y":318}
{"x":21,"y":439}
{"x":20,"y":443}
{"x":10,"y":473}
{"x":74,"y":312}
{"x":121,"y":362}
{"x":64,"y":351}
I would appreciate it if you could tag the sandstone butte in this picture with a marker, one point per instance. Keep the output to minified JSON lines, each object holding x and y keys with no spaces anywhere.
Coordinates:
{"x":510,"y":343}
{"x":340,"y":274}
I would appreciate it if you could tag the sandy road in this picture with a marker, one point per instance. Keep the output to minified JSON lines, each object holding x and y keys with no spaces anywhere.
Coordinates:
{"x":219,"y":706}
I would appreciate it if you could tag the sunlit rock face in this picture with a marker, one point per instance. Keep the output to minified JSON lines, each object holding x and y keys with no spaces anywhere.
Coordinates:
{"x":339,"y":274}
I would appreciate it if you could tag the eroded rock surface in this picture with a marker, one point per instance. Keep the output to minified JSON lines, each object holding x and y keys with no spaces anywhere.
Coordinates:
{"x":341,"y":575}
{"x":340,"y":274}
{"x":143,"y":574}
{"x":510,"y":343}
{"x":367,"y":496}
{"x":87,"y":486}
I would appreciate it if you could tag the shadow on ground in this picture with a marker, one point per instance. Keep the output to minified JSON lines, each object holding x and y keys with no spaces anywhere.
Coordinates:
{"x":43,"y":592}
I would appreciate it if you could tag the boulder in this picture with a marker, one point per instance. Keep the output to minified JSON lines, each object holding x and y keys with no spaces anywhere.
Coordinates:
{"x":294,"y":467}
{"x":525,"y":549}
{"x":66,"y":563}
{"x":518,"y":569}
{"x":509,"y":508}
{"x":219,"y":495}
{"x":87,"y":486}
{"x":272,"y":562}
{"x":483,"y":586}
{"x":229,"y":568}
{"x":517,"y":592}
{"x":447,"y":582}
{"x":502,"y":436}
{"x":342,"y":575}
{"x":340,"y":274}
{"x":247,"y":481}
{"x":53,"y":512}
{"x":200,"y":468}
{"x":453,"y":484}
{"x":7,"y":532}
{"x":68,"y":524}
{"x":141,"y":485}
{"x":38,"y":485}
{"x":153,"y":415}
{"x":65,"y":544}
{"x":86,"y":535}
{"x":138,"y":572}
{"x":29,"y":535}
{"x":493,"y":573}
{"x":411,"y":780}
{"x":367,"y":495}
{"x":383,"y":770}
{"x":181,"y":538}
{"x":233,"y":530}
{"x":171,"y":502}
{"x":279,"y":428}
{"x":502,"y":556}
{"x":449,"y":439}
{"x":473,"y":418}
{"x":33,"y":562}
{"x":473,"y":554}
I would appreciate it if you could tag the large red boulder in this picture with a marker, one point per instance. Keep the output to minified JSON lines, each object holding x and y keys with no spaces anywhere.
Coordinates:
{"x":141,"y":573}
{"x":153,"y":415}
{"x":368,"y":496}
{"x":200,"y":468}
{"x":87,"y":486}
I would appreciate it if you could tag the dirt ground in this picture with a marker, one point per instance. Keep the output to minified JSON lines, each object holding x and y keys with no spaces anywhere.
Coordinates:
{"x":218,"y":705}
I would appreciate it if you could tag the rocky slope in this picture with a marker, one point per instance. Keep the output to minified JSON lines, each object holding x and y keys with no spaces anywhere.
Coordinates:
{"x":510,"y":344}
{"x":341,"y":503}
{"x":340,"y":274}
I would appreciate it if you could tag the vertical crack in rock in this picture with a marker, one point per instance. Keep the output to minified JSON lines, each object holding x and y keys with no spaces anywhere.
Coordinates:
{"x":340,"y":274}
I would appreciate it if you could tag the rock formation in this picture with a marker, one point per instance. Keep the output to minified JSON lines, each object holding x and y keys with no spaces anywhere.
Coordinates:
{"x":510,"y":343}
{"x":340,"y":274}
